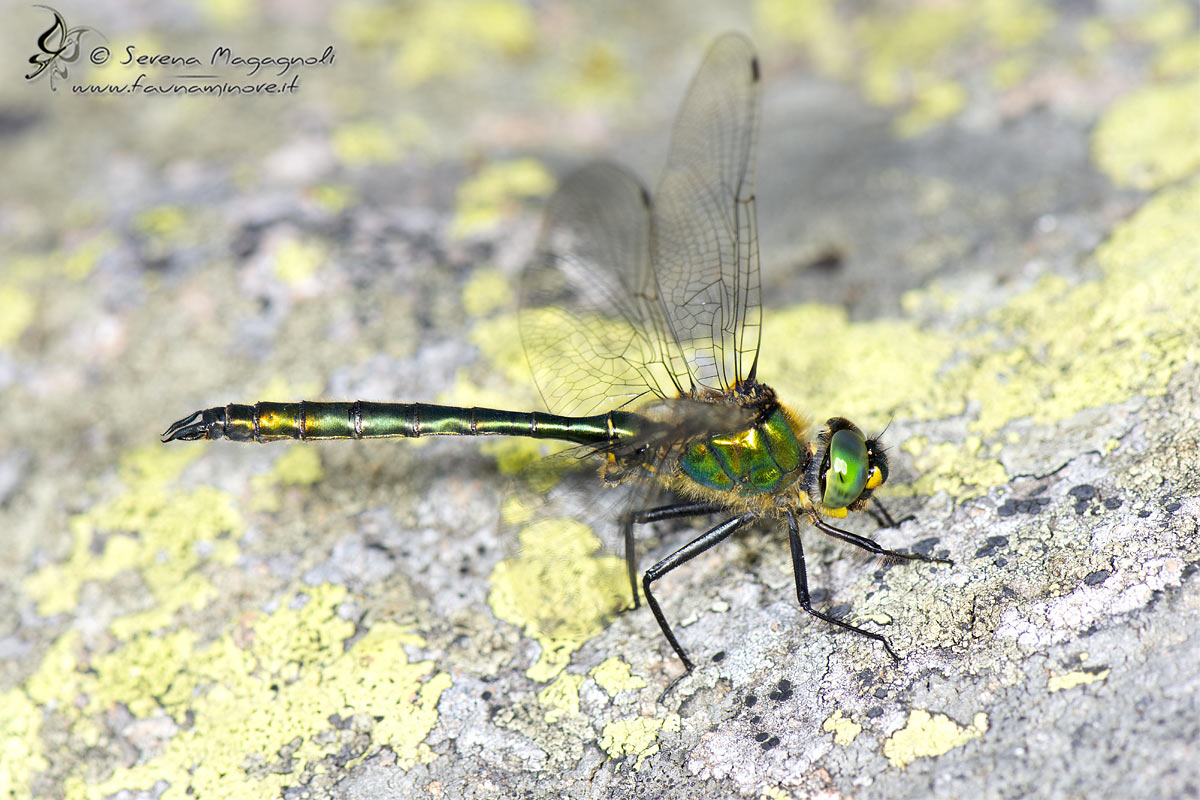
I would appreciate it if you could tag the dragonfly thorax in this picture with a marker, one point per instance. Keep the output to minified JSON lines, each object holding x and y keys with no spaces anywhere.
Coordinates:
{"x":763,"y":458}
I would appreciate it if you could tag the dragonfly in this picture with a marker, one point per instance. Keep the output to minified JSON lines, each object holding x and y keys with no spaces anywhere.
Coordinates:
{"x":641,"y":319}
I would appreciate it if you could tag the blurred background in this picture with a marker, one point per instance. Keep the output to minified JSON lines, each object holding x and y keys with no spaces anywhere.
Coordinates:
{"x":977,"y":222}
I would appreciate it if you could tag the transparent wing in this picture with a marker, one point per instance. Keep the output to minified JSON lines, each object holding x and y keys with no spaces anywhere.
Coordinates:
{"x":594,"y":326}
{"x":704,"y":242}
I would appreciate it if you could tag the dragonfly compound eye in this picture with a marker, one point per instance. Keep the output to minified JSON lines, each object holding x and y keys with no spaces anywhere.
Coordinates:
{"x":847,"y":471}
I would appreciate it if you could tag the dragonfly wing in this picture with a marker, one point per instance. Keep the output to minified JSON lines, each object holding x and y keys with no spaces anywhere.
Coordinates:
{"x":705,"y":243}
{"x":593,"y":324}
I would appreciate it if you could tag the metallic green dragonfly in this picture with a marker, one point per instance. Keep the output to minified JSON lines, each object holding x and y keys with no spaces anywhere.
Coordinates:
{"x":641,"y":320}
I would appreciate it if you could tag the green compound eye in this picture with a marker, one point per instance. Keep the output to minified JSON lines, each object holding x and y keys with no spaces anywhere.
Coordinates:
{"x":847,"y":473}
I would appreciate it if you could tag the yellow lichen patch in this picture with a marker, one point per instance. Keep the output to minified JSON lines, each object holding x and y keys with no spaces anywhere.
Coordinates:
{"x":483,"y":198}
{"x":333,"y":198}
{"x":297,"y":261}
{"x":775,"y":793}
{"x":598,"y":78}
{"x":1069,"y":680}
{"x":907,"y":59}
{"x":814,"y":25}
{"x":365,"y":143}
{"x":17,"y":309}
{"x":162,"y":534}
{"x":21,"y":751}
{"x":227,"y":14}
{"x":285,"y":390}
{"x":636,"y":736}
{"x":1095,"y":35}
{"x":300,"y":465}
{"x":934,"y":100}
{"x":140,"y":673}
{"x":79,"y":262}
{"x":446,"y":39}
{"x":927,"y":735}
{"x":56,"y":680}
{"x":557,"y":591}
{"x":898,"y":46}
{"x":844,"y":729}
{"x":1151,"y":137}
{"x":486,"y":291}
{"x":1061,"y":348}
{"x":499,"y":341}
{"x":828,"y":380}
{"x":1011,"y":71}
{"x":1163,"y":20}
{"x":162,"y":222}
{"x":613,"y":676}
{"x":959,"y":468}
{"x":1179,"y":59}
{"x":1009,"y":25}
{"x":561,"y":697}
{"x":248,"y":694}
{"x":440,"y":39}
{"x":1047,"y":354}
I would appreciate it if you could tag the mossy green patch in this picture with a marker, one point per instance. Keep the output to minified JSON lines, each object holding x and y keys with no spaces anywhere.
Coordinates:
{"x":927,"y":735}
{"x":1151,"y":137}
{"x":558,"y":591}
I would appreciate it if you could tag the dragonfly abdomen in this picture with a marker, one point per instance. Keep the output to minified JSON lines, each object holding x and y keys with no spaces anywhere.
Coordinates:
{"x":266,"y":422}
{"x":762,"y":459}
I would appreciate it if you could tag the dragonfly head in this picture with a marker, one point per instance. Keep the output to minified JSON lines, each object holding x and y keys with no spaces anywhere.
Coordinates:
{"x":849,"y":467}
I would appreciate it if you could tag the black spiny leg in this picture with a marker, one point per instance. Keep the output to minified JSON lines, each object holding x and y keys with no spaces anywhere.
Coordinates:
{"x":672,"y":511}
{"x":705,"y":541}
{"x":802,"y":588}
{"x":880,"y":514}
{"x":870,"y":545}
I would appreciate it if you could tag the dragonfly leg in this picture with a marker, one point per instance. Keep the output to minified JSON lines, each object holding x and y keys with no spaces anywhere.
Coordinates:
{"x":870,"y":545}
{"x":700,"y":544}
{"x":802,"y":589}
{"x":880,"y":514}
{"x":672,"y":511}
